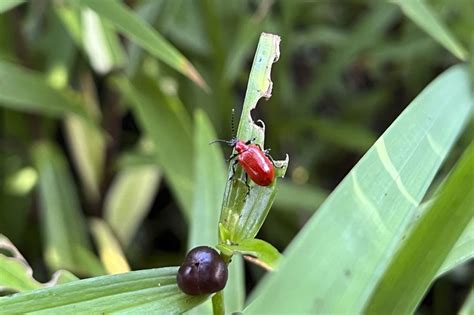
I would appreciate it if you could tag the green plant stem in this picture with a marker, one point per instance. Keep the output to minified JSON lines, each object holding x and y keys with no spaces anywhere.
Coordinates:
{"x":218,"y":307}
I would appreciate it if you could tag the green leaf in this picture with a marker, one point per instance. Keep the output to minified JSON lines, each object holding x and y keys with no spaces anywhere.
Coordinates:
{"x":370,"y":209}
{"x":6,"y":5}
{"x":65,"y":234}
{"x":417,"y":261}
{"x":424,"y":17}
{"x":209,"y":174}
{"x":243,"y":214}
{"x":259,"y":252}
{"x":101,"y":43}
{"x":143,"y":34}
{"x":25,"y":90}
{"x":462,"y":251}
{"x":468,"y":306}
{"x":160,"y":116}
{"x":144,"y":291}
{"x":129,"y":199}
{"x":17,"y":275}
{"x":110,"y":252}
{"x":210,"y":178}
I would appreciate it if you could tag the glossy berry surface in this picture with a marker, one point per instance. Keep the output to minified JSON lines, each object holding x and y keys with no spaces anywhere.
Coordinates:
{"x":203,"y":271}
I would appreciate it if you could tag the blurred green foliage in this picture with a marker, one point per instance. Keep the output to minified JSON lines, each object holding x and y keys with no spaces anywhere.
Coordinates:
{"x":93,"y":98}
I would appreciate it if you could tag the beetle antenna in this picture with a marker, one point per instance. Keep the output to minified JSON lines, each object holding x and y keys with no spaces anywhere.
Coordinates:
{"x":229,"y":143}
{"x":233,"y":126}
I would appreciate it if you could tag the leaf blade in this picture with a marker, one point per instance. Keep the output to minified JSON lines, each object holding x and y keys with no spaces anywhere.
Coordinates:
{"x":144,"y":35}
{"x":63,"y":225}
{"x":404,"y":282}
{"x":422,"y":15}
{"x":137,"y":291}
{"x":397,"y":171}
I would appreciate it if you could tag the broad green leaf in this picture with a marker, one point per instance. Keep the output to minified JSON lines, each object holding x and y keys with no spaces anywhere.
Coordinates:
{"x":421,"y":254}
{"x":468,"y":306}
{"x":243,"y":210}
{"x":26,"y":90}
{"x":420,"y":13}
{"x":370,"y":209}
{"x":129,"y":199}
{"x":144,"y":291}
{"x":461,"y":252}
{"x":257,"y":251}
{"x":6,"y":5}
{"x":17,"y":275}
{"x":64,"y":231}
{"x":162,"y":115}
{"x":109,"y":249}
{"x":101,"y":43}
{"x":210,"y":178}
{"x":143,"y":34}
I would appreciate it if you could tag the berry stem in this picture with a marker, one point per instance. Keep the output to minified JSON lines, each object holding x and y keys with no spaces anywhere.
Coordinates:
{"x":218,"y":307}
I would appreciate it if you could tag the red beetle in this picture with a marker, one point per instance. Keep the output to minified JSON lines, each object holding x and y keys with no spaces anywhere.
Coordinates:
{"x":257,"y":164}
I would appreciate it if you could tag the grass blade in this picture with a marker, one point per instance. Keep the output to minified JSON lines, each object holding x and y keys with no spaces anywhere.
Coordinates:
{"x":66,"y":242}
{"x":143,"y":34}
{"x":421,"y":14}
{"x":101,"y":43}
{"x":462,"y":251}
{"x":110,"y":252}
{"x":152,"y":290}
{"x":405,"y":282}
{"x":129,"y":199}
{"x":168,"y":117}
{"x":37,"y":97}
{"x":369,"y":211}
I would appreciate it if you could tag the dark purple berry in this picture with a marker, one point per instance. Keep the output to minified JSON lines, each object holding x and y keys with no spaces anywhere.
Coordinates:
{"x":203,"y":271}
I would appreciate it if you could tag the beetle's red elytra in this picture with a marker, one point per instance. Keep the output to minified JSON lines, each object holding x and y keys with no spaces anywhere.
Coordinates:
{"x":255,"y":162}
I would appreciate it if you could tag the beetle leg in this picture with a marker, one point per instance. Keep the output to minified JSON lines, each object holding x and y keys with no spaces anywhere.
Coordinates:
{"x":233,"y":157}
{"x":246,"y":180}
{"x":234,"y":165}
{"x":267,"y":154}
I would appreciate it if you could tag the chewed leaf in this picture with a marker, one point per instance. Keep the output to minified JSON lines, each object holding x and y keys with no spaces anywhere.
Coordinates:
{"x":243,"y":210}
{"x":256,"y":251}
{"x":17,"y":275}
